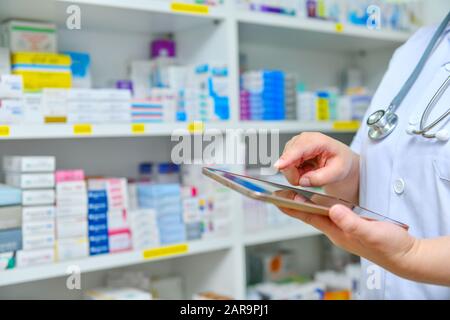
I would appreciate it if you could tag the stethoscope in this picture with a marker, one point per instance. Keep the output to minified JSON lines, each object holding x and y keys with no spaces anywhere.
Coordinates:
{"x":382,"y":122}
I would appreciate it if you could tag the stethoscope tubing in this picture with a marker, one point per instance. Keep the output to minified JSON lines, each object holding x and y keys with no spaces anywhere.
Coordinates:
{"x":437,"y":95}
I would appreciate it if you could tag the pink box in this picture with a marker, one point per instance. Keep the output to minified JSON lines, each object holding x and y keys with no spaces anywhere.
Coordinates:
{"x":119,"y":241}
{"x":69,"y":175}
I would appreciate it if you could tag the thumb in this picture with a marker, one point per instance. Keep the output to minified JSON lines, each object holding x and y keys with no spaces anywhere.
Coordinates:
{"x":350,"y":223}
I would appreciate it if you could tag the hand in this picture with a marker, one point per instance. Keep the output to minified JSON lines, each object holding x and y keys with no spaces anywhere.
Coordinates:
{"x":383,"y":243}
{"x":314,"y":159}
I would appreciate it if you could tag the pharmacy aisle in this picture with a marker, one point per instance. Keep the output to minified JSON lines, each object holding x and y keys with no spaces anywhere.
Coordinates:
{"x":100,"y":99}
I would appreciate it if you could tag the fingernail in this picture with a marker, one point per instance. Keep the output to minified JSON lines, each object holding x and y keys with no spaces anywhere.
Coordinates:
{"x":278,"y":163}
{"x":305,"y":182}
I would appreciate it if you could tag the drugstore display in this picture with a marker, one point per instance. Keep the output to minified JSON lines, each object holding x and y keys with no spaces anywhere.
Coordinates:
{"x":273,"y":274}
{"x":165,"y":230}
{"x":40,"y":85}
{"x":90,"y":216}
{"x":276,"y":95}
{"x":393,"y":15}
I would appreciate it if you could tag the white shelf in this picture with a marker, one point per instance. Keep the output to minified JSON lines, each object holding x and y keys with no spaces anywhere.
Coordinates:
{"x":103,"y":262}
{"x":320,"y":26}
{"x":157,"y":6}
{"x":281,"y":233}
{"x":64,"y":131}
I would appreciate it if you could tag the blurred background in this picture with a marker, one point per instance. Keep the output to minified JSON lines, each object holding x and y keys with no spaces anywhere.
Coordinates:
{"x":91,"y":92}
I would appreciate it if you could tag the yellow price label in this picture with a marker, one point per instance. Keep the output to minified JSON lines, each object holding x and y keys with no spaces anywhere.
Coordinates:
{"x":351,"y":125}
{"x":55,"y":119}
{"x":138,"y":128}
{"x":5,"y":131}
{"x":339,"y":27}
{"x":196,"y":127}
{"x":82,"y":129}
{"x":165,"y":251}
{"x":189,"y":8}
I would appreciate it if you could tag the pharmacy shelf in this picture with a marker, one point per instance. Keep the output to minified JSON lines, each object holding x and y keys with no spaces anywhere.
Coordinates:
{"x":293,"y":126}
{"x":281,"y":233}
{"x":158,"y":6}
{"x":103,"y":262}
{"x":81,"y":131}
{"x":314,"y":33}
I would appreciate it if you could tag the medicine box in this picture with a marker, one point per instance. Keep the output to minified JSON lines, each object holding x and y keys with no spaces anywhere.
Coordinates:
{"x":10,"y":196}
{"x":34,"y":257}
{"x":77,"y":210}
{"x":38,"y":213}
{"x":53,"y":70}
{"x":72,"y":248}
{"x":44,"y":227}
{"x":33,"y":242}
{"x":11,"y":111}
{"x":5,"y":63}
{"x":10,"y":240}
{"x":11,"y":86}
{"x":10,"y":217}
{"x":38,"y":197}
{"x":71,"y":227}
{"x":30,"y":180}
{"x":29,"y":36}
{"x":29,"y":163}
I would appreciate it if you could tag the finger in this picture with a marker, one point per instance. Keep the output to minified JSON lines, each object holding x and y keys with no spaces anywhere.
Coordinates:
{"x":299,"y":150}
{"x":349,"y":222}
{"x":321,"y":176}
{"x":292,"y":175}
{"x":319,"y":222}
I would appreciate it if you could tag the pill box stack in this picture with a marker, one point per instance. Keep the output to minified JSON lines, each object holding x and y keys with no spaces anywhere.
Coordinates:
{"x":263,"y":95}
{"x":290,"y":96}
{"x":159,"y":106}
{"x":144,"y":228}
{"x":206,"y":204}
{"x":10,"y":224}
{"x":86,"y":105}
{"x":11,"y":103}
{"x":35,"y":177}
{"x":165,"y":199}
{"x":98,"y":222}
{"x":42,"y":70}
{"x":71,"y":215}
{"x":119,"y":232}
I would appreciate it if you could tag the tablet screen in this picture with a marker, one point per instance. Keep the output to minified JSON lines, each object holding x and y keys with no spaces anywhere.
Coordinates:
{"x":296,"y":194}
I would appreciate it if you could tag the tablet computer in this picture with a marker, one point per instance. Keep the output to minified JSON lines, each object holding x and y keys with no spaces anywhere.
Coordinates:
{"x":283,"y":195}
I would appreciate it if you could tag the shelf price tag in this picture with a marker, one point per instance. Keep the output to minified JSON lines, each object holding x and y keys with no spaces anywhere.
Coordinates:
{"x":189,"y":8}
{"x":351,"y":125}
{"x":165,"y":251}
{"x":196,"y":127}
{"x":4,"y":131}
{"x":339,"y":27}
{"x":138,"y":128}
{"x":82,"y":129}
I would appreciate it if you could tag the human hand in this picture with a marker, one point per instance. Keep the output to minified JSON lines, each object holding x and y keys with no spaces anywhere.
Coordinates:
{"x":314,"y":159}
{"x":383,"y":243}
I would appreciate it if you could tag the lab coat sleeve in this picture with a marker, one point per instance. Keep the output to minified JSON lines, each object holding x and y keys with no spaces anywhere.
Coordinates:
{"x":390,"y":79}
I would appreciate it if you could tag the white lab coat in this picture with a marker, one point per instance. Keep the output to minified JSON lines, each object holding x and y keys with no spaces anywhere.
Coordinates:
{"x":407,"y":177}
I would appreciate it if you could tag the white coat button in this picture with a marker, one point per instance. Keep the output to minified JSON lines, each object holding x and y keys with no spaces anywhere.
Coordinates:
{"x":413,"y":120}
{"x":399,"y":186}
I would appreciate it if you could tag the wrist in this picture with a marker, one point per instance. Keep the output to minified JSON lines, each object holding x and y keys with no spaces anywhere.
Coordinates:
{"x":409,"y":261}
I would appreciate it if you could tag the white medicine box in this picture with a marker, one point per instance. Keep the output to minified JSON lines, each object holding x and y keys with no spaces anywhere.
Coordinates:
{"x":26,"y":36}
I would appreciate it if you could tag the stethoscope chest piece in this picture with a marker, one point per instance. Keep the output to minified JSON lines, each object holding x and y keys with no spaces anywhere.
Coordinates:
{"x":381,"y":123}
